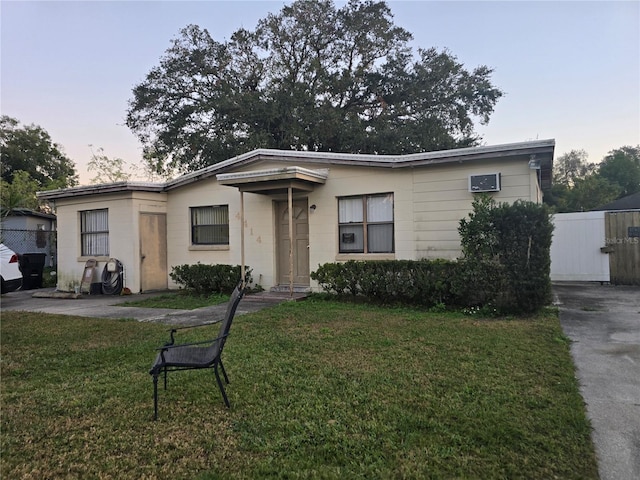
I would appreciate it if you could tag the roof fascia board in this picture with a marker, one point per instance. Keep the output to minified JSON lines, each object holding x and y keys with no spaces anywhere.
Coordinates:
{"x":117,"y":187}
{"x":368,"y":160}
{"x":26,"y":212}
{"x":324,"y":158}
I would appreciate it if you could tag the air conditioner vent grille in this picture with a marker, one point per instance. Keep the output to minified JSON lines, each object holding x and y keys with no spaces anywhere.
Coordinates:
{"x":488,"y":182}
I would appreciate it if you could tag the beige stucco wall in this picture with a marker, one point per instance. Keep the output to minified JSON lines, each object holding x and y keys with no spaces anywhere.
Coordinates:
{"x":441,"y":198}
{"x":259,"y":229}
{"x":124,"y":209}
{"x":428,"y":205}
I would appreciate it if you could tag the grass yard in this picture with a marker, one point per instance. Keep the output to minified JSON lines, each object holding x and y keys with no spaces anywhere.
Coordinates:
{"x":179,"y":300}
{"x":318,"y":390}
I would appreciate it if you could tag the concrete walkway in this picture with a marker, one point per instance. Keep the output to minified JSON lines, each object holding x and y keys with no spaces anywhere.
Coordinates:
{"x":603,"y":322}
{"x":107,"y":306}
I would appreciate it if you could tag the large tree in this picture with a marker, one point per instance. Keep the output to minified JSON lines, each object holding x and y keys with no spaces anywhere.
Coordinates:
{"x":30,"y":161}
{"x":311,"y":77}
{"x":622,"y":166}
{"x":572,"y":166}
{"x":580,"y":185}
{"x":30,"y":149}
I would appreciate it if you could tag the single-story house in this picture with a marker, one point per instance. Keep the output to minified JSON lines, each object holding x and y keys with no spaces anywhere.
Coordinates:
{"x":283,"y":213}
{"x":27,"y":219}
{"x":28,"y":231}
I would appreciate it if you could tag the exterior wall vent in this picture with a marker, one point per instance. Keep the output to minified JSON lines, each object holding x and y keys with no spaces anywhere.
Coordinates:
{"x":488,"y":182}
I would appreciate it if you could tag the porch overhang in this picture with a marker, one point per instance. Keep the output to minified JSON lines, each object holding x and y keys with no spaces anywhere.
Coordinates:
{"x":275,"y":180}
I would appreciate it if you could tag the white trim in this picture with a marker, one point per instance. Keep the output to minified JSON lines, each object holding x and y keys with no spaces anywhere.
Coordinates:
{"x":324,"y":158}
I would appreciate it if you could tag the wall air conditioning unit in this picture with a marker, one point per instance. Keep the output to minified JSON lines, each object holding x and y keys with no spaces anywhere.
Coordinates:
{"x":489,"y":182}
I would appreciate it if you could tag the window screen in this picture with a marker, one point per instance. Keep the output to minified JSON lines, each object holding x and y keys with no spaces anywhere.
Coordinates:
{"x":94,"y":232}
{"x":210,"y":225}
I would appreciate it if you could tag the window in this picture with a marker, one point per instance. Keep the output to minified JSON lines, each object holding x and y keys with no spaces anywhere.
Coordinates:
{"x":210,"y":225}
{"x":41,"y":236}
{"x":366,"y":224}
{"x":94,"y":232}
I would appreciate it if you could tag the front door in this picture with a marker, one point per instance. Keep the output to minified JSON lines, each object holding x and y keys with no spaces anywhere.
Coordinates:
{"x":300,"y":242}
{"x":153,"y":251}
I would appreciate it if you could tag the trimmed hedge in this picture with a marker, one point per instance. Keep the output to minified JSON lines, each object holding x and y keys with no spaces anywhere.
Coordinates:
{"x":422,"y":282}
{"x":202,"y":279}
{"x":504,"y":268}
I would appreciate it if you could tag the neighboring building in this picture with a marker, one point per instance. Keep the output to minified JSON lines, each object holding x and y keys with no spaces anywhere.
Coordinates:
{"x":628,"y":203}
{"x":343,"y":206}
{"x":28,"y":231}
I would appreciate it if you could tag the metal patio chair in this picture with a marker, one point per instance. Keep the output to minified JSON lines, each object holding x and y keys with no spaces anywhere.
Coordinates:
{"x":196,"y":355}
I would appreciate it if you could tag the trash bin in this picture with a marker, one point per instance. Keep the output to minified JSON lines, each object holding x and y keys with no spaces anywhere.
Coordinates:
{"x":32,"y":267}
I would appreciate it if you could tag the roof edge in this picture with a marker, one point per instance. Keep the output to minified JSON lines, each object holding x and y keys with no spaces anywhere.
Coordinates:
{"x":115,"y":187}
{"x":326,"y":158}
{"x":389,"y":161}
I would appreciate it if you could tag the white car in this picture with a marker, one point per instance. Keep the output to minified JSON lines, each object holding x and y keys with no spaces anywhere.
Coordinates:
{"x":10,"y":273}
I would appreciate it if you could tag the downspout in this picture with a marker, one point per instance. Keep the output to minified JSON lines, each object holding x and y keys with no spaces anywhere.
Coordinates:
{"x":290,"y":199}
{"x":242,"y":265}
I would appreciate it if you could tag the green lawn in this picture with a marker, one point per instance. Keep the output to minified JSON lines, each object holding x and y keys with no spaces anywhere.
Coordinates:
{"x":179,"y":300}
{"x":318,"y":390}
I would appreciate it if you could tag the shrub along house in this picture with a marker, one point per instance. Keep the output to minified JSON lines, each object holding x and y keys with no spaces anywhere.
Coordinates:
{"x":283,"y":213}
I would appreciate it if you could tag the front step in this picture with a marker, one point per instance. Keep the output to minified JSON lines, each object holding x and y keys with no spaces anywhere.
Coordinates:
{"x":276,"y":297}
{"x":287,"y":288}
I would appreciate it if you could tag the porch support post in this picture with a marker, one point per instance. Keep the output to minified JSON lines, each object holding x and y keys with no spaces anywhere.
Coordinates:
{"x":290,"y":199}
{"x":242,"y":267}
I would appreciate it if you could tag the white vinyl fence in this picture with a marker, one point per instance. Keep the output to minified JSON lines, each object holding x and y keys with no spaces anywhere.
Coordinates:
{"x":575,"y":248}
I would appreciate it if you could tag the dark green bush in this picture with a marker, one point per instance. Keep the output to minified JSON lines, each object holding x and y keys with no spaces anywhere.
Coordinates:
{"x":422,"y":282}
{"x":504,"y":267}
{"x":202,"y":279}
{"x":506,"y":256}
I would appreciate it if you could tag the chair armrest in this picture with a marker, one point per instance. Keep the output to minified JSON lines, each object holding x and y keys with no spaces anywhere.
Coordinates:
{"x":173,"y":331}
{"x":167,"y":347}
{"x":205,"y":324}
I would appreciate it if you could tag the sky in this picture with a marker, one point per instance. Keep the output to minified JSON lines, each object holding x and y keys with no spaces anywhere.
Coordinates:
{"x":570,"y":70}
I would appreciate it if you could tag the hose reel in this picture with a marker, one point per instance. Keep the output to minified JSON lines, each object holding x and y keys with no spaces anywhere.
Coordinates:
{"x":113,"y":277}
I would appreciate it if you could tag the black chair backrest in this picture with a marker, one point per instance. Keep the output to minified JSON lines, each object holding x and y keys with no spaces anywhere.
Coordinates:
{"x":236,"y":296}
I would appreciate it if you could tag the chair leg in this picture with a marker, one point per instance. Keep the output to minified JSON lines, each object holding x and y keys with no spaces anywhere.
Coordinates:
{"x":155,"y":396}
{"x":165,"y":378}
{"x":221,"y":386}
{"x":224,"y":372}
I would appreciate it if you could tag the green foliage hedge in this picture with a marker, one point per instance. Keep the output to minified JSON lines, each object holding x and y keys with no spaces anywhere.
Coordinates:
{"x":422,"y":282}
{"x":504,"y":267}
{"x":506,"y":256}
{"x":202,"y":279}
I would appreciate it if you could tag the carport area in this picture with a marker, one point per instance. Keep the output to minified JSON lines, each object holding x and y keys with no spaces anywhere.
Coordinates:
{"x":603,"y":323}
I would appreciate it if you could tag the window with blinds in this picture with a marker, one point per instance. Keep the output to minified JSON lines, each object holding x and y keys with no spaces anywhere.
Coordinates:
{"x":210,"y":225}
{"x":366,"y":224}
{"x":94,"y":233}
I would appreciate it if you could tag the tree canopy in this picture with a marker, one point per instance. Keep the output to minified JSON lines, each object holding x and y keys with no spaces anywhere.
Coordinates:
{"x":571,"y":167}
{"x":310,"y":77}
{"x":30,"y":149}
{"x":581,"y":186}
{"x":622,"y":166}
{"x":31,"y":161}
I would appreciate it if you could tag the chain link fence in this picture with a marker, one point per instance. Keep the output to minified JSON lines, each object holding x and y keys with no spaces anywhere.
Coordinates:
{"x":32,"y":241}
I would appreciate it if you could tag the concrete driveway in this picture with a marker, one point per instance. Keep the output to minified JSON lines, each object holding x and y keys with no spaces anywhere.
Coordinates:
{"x":603,"y":322}
{"x":107,"y":306}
